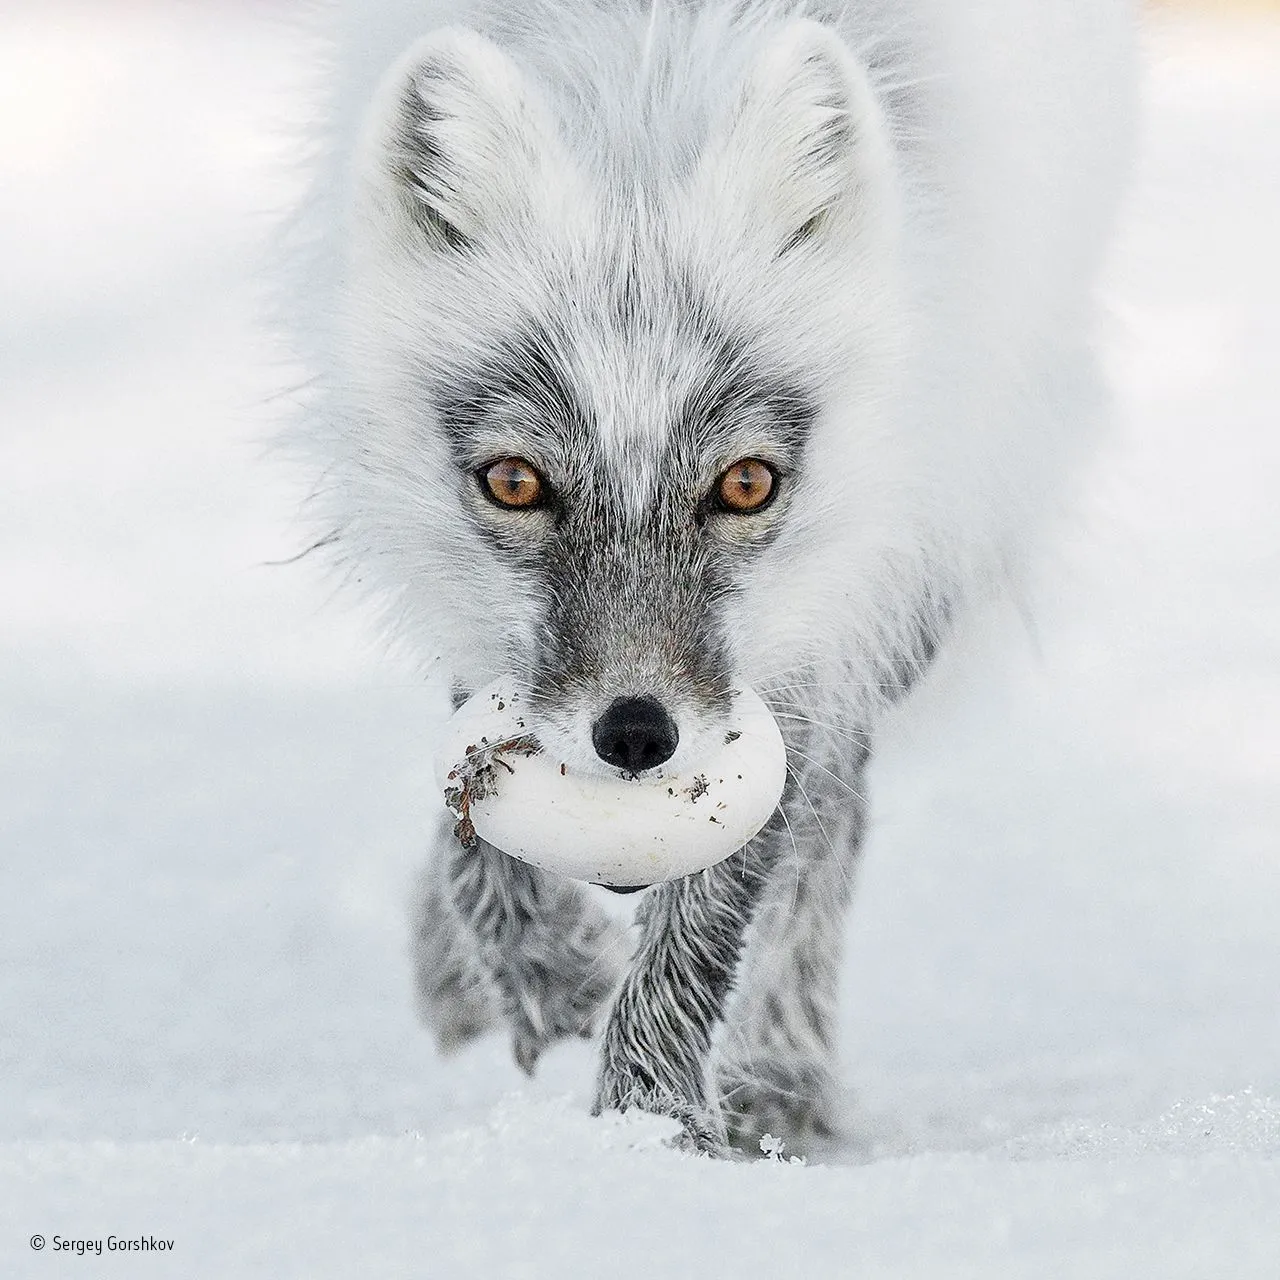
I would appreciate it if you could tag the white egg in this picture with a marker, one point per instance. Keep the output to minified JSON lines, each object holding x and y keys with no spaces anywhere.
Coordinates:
{"x":611,"y":830}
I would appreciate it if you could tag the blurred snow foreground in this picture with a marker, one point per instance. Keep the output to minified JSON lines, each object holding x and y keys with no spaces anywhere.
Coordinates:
{"x":1062,"y":1020}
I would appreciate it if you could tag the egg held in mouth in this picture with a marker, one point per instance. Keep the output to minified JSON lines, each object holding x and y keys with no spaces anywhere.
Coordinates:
{"x":623,"y":831}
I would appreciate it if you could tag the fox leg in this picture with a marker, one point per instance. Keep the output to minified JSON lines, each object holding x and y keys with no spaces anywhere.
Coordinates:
{"x":500,"y":941}
{"x":776,"y":1062}
{"x":656,"y":1052}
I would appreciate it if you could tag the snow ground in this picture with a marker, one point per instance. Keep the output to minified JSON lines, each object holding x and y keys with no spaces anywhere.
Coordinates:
{"x":1062,"y":1029}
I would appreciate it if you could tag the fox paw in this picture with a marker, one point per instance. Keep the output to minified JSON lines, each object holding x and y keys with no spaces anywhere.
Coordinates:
{"x":701,"y":1131}
{"x":632,"y":1078}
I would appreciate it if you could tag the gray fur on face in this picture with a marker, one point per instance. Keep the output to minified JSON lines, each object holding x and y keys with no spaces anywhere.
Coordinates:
{"x":630,"y":562}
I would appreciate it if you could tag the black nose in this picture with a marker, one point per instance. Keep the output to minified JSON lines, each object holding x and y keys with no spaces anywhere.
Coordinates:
{"x":635,"y":734}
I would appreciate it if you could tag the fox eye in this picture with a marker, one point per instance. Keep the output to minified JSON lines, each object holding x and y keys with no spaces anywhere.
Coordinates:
{"x":746,"y":487}
{"x":513,"y":482}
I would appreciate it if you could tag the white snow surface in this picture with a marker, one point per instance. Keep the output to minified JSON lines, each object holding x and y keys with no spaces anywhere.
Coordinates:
{"x":1062,"y":1018}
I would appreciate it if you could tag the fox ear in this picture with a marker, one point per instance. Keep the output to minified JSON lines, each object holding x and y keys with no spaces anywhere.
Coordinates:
{"x":457,"y":140}
{"x":806,"y":150}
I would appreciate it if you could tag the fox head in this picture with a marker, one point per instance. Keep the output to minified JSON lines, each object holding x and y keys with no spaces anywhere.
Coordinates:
{"x":614,"y":396}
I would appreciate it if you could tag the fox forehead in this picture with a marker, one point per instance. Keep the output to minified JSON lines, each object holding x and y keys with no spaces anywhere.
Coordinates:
{"x":626,"y":379}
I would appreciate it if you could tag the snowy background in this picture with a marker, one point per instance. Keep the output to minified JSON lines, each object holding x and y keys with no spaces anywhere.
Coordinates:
{"x":1062,"y":1024}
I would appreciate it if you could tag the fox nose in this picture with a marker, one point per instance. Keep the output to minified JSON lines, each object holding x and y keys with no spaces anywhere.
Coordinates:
{"x":635,"y":734}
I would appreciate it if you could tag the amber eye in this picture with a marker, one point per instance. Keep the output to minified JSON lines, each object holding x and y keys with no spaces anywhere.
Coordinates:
{"x":747,"y":486}
{"x":512,"y":482}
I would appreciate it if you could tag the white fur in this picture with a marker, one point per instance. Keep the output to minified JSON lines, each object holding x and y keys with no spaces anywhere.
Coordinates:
{"x":941,"y":304}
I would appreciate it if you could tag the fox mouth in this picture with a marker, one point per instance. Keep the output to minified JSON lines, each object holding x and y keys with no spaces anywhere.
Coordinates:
{"x":624,"y":828}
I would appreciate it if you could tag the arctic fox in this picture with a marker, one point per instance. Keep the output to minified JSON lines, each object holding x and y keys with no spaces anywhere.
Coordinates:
{"x":665,"y":347}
